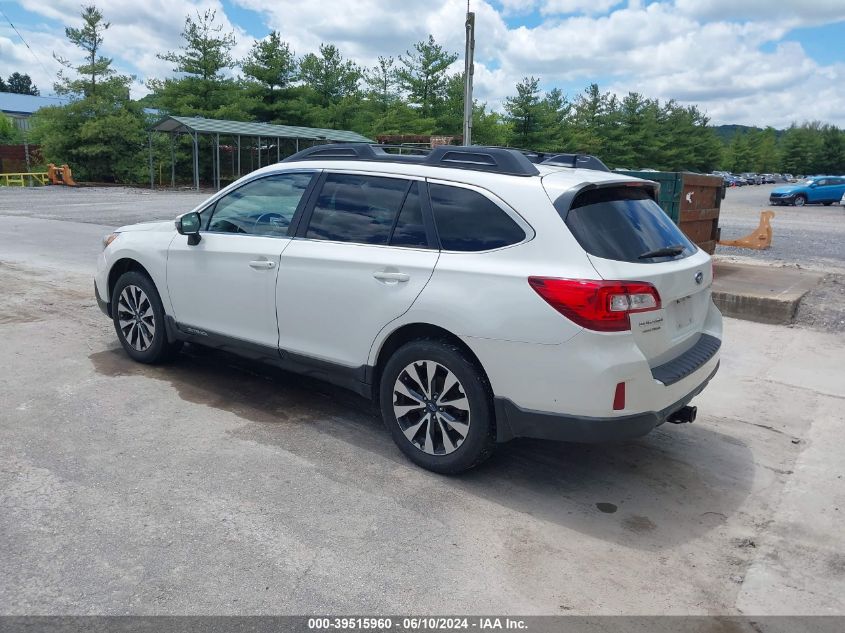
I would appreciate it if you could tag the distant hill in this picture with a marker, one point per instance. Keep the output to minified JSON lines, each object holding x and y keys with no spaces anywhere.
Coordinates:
{"x":727,"y":132}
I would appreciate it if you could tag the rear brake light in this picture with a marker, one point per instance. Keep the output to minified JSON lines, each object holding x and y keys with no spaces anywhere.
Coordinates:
{"x":603,"y":306}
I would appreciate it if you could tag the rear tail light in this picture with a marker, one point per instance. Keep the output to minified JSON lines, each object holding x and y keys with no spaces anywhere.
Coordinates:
{"x":603,"y":306}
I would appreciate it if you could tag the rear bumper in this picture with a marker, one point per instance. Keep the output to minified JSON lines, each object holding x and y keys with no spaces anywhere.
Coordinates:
{"x":513,"y":421}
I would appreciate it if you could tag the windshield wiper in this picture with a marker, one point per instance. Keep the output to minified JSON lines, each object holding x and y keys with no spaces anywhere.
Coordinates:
{"x":666,"y":251}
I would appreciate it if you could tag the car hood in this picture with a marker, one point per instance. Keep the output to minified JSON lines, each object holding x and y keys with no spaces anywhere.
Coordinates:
{"x":789,"y":189}
{"x":167,"y":225}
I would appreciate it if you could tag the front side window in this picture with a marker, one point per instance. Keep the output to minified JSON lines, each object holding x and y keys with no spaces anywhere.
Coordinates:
{"x":357,"y":208}
{"x":469,"y":221}
{"x":625,"y":224}
{"x":261,"y":207}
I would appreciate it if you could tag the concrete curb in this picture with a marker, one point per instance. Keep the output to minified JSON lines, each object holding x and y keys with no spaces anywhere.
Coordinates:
{"x":765,"y":294}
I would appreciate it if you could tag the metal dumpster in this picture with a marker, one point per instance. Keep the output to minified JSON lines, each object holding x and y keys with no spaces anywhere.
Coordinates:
{"x":693,"y":201}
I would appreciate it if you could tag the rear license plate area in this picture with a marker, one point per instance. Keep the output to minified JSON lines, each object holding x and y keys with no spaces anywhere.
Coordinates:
{"x":683,"y":313}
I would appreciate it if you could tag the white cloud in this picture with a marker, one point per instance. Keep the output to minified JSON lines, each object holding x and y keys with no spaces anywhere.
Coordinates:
{"x":734,"y":59}
{"x":552,"y":7}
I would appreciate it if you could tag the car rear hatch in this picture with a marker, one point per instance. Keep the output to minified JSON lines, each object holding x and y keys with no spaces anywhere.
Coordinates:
{"x":628,"y":237}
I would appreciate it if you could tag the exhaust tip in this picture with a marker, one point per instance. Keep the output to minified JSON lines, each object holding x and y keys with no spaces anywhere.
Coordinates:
{"x":684,"y":415}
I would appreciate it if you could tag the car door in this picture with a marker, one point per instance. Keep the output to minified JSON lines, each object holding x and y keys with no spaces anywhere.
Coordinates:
{"x":225,"y":285}
{"x":818,"y":190}
{"x":363,"y":253}
{"x":837,"y":189}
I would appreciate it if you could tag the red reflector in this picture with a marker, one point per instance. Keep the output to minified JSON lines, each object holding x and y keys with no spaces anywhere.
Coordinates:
{"x":603,"y":306}
{"x":619,"y":397}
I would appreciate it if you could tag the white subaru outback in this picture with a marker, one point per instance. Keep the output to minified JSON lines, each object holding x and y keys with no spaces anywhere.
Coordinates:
{"x":476,"y":294}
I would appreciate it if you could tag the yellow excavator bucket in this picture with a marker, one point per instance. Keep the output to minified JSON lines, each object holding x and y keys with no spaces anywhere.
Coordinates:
{"x":760,"y":238}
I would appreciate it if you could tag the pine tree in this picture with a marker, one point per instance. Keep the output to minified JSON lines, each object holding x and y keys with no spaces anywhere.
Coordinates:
{"x":525,"y":113}
{"x":332,"y":77}
{"x":271,"y":63}
{"x":423,"y":74}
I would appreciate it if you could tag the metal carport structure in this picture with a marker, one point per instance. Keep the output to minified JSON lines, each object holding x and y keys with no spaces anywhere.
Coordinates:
{"x":197,"y":126}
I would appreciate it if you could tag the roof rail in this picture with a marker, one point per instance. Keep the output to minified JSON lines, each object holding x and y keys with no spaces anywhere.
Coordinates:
{"x":577,"y":161}
{"x":477,"y":158}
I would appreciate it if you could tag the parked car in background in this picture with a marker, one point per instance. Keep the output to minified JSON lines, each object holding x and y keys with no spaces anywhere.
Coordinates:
{"x":814,"y":190}
{"x":752,"y":179}
{"x":788,"y":178}
{"x":733,"y":181}
{"x":768,"y":179}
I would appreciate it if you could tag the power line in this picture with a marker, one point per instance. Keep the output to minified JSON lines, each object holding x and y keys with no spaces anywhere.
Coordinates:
{"x":24,"y":42}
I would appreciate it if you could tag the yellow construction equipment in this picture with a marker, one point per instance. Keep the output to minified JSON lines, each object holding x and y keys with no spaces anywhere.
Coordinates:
{"x":24,"y":179}
{"x":759,"y":239}
{"x":60,"y":175}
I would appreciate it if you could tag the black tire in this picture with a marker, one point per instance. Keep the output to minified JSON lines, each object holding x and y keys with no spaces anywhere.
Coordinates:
{"x":800,"y":200}
{"x":827,"y":204}
{"x":143,"y":337}
{"x":472,"y":388}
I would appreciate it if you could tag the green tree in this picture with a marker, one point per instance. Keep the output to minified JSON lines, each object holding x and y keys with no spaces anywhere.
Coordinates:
{"x":96,"y":69}
{"x":20,"y":84}
{"x":423,"y":74}
{"x":800,"y":148}
{"x":590,"y":121}
{"x":831,"y":154}
{"x":271,"y":63}
{"x":555,"y":111}
{"x":203,"y":88}
{"x":450,"y":116}
{"x":329,"y":75}
{"x":634,"y":133}
{"x":525,"y":112}
{"x":101,"y":134}
{"x":381,"y":82}
{"x":767,"y":157}
{"x":8,"y":131}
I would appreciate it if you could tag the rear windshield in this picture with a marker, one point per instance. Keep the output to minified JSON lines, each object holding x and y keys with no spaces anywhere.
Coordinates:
{"x":624,"y":224}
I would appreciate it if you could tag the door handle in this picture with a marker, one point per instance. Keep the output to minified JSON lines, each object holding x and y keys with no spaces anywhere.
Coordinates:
{"x":262,"y":264}
{"x":386,"y":276}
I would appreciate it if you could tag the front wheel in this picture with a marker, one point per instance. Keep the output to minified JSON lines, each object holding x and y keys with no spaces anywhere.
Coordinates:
{"x":437,"y":405}
{"x":800,"y":201}
{"x":827,"y":204}
{"x":138,"y":317}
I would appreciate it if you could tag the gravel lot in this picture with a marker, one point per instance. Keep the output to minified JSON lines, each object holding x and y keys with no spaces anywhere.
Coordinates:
{"x":812,"y":236}
{"x":220,"y":486}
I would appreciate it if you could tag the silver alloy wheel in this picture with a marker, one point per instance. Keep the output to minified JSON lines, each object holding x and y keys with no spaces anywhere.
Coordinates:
{"x":431,"y":407}
{"x":136,"y":318}
{"x":800,"y":201}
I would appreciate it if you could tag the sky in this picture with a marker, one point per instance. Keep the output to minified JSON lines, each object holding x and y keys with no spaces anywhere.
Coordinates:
{"x":750,"y":62}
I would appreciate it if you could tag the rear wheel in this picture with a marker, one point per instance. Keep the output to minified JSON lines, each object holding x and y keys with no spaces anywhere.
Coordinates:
{"x":800,"y":200}
{"x":139,"y":320}
{"x":827,"y":204}
{"x":437,"y":405}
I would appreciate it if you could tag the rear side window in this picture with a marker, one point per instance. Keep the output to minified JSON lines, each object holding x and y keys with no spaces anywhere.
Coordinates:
{"x":468,"y":221}
{"x":624,"y":224}
{"x":410,"y":230}
{"x":353,"y":208}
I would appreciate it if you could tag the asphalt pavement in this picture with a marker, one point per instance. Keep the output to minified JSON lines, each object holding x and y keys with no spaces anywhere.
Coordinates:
{"x":220,"y":486}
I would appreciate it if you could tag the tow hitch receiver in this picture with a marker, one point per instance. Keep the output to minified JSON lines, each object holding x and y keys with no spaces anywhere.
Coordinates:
{"x":683,"y":415}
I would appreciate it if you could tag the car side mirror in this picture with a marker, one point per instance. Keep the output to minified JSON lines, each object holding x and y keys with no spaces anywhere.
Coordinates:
{"x":189,"y":224}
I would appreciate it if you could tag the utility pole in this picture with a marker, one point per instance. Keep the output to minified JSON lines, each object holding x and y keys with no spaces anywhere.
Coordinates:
{"x":469,"y":69}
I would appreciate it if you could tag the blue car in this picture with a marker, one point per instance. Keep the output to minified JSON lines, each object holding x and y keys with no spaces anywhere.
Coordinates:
{"x":814,"y":190}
